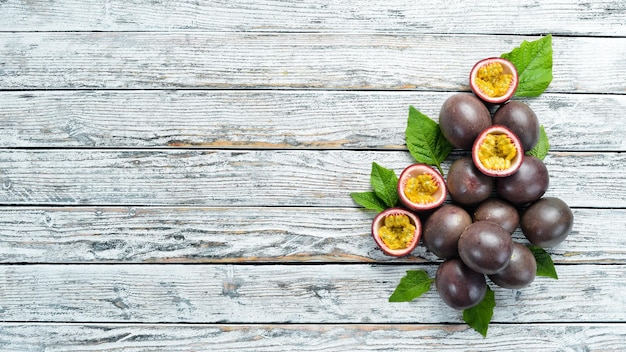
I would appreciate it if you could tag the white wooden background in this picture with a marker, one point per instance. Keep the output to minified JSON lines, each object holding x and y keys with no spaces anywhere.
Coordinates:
{"x":175,"y":174}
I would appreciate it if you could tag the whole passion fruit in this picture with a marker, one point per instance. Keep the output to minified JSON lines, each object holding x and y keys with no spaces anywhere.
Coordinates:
{"x":421,"y":187}
{"x":527,"y":185}
{"x":497,"y":152}
{"x":467,"y":185}
{"x":498,"y":211}
{"x":459,"y":286}
{"x":547,"y":222}
{"x":396,"y":231}
{"x":443,"y":228}
{"x":461,"y":118}
{"x":520,"y":119}
{"x":494,"y":80}
{"x":520,"y":271}
{"x":485,"y":247}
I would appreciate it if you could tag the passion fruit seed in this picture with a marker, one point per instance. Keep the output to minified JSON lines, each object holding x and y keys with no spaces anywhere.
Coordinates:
{"x":421,"y":189}
{"x":492,"y":80}
{"x":397,"y":232}
{"x":497,"y":151}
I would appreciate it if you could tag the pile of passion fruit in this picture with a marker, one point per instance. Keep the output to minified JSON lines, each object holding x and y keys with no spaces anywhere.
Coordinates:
{"x":493,"y":192}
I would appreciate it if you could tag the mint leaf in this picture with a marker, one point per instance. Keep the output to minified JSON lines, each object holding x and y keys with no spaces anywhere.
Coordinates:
{"x":533,"y":61}
{"x":385,"y":183}
{"x":543,"y":145}
{"x":545,"y":265}
{"x":369,"y":200}
{"x":413,"y":285}
{"x":425,"y":141}
{"x":479,"y":316}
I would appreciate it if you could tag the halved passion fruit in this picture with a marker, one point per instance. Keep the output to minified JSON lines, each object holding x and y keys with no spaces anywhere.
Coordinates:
{"x":494,"y":80}
{"x":396,"y":231}
{"x":497,"y":152}
{"x":421,"y":187}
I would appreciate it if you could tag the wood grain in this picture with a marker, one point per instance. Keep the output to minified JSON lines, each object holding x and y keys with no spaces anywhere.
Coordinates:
{"x":570,"y":17}
{"x":127,"y":60}
{"x":254,"y":178}
{"x":341,"y":337}
{"x":281,"y":119}
{"x":246,"y":235}
{"x":286,"y":294}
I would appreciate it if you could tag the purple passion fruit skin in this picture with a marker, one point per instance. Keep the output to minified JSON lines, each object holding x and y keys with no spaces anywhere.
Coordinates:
{"x":497,"y":152}
{"x":467,"y":185}
{"x":396,"y":231}
{"x":527,"y":185}
{"x":459,"y":286}
{"x":485,"y":247}
{"x":494,"y":80}
{"x":547,"y":222}
{"x":521,"y":270}
{"x":420,"y":188}
{"x":521,"y":120}
{"x":461,"y":118}
{"x":498,"y":211}
{"x":443,"y":228}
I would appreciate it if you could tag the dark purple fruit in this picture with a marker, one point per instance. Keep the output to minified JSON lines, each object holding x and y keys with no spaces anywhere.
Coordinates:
{"x":466,"y":184}
{"x":485,"y":247}
{"x":498,"y":211}
{"x":459,"y":286}
{"x":520,"y":119}
{"x":521,"y":270}
{"x":527,"y":185}
{"x":461,"y":118}
{"x":443,"y":228}
{"x":547,"y":222}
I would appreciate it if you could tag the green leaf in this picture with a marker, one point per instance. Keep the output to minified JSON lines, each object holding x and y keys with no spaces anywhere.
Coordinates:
{"x":479,"y":316}
{"x":425,"y":141}
{"x":543,"y":145}
{"x":413,"y":285}
{"x":533,"y":61}
{"x":369,"y":200}
{"x":385,"y":184}
{"x":545,"y":265}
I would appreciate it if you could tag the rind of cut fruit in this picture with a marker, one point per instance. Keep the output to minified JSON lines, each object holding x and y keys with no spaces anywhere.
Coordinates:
{"x":421,"y":187}
{"x":494,"y":80}
{"x":397,"y":232}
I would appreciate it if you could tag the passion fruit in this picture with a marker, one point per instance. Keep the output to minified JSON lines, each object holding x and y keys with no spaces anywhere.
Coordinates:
{"x":396,"y":231}
{"x":522,"y":120}
{"x":459,"y":286}
{"x":527,"y":185}
{"x":461,"y":118}
{"x":547,"y":222}
{"x":467,"y":185}
{"x":498,"y":211}
{"x":443,"y":228}
{"x":420,"y":187}
{"x":485,"y":247}
{"x":520,"y":271}
{"x":497,"y":152}
{"x":494,"y":80}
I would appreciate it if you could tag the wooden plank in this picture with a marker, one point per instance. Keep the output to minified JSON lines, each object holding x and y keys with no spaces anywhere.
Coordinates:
{"x":571,"y":17}
{"x":141,"y":60}
{"x":246,"y":235}
{"x":254,"y":178}
{"x":282,"y":119}
{"x":286,"y":294}
{"x":343,"y":337}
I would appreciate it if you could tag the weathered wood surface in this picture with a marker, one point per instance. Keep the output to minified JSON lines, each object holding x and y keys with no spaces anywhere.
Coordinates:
{"x":272,"y":119}
{"x":568,"y":17}
{"x":344,"y":337}
{"x":255,"y":178}
{"x":323,"y":294}
{"x":246,"y":235}
{"x":168,"y":60}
